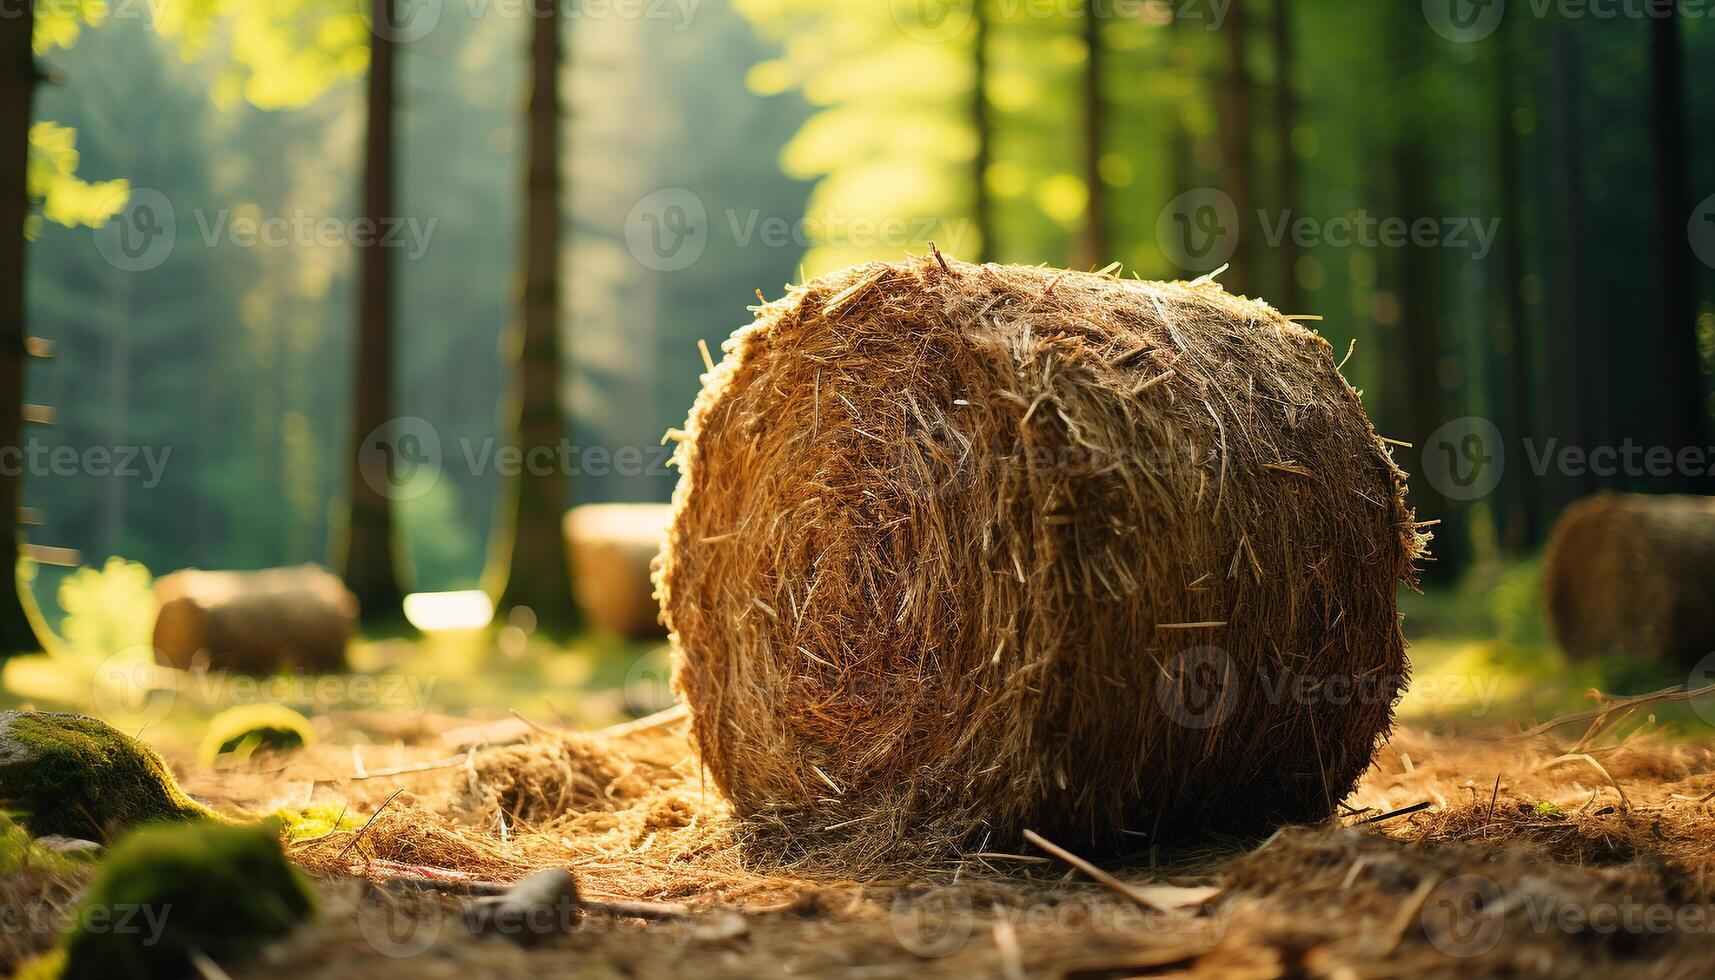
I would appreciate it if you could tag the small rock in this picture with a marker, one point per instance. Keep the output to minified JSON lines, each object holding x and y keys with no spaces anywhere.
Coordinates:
{"x":68,"y":845}
{"x":720,"y":927}
{"x":540,"y":905}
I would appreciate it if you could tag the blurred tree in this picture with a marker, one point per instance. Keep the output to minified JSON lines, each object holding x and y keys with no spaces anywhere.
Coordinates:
{"x":18,"y":76}
{"x":1236,"y":162}
{"x":1285,"y":252}
{"x":1684,"y":416}
{"x":368,"y":559}
{"x":1576,"y":392}
{"x":1093,"y":245}
{"x":1510,"y":338}
{"x":982,"y":207}
{"x":529,"y":558}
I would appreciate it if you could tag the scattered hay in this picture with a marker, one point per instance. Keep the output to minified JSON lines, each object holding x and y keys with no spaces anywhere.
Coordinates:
{"x":1632,"y":574}
{"x":961,"y":550}
{"x":549,"y":780}
{"x":38,"y":888}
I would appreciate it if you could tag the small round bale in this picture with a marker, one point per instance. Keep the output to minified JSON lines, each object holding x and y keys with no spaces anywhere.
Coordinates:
{"x":254,"y":622}
{"x":612,"y":548}
{"x":1633,"y":575}
{"x":963,"y":551}
{"x":75,"y":776}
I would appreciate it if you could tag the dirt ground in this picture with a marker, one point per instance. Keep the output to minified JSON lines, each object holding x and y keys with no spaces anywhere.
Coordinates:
{"x":1575,"y":852}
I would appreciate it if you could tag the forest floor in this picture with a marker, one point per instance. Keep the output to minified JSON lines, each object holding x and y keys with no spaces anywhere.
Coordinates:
{"x":1476,"y":844}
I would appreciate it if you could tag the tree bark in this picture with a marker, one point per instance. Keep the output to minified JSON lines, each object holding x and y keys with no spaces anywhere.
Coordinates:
{"x":1288,"y":297}
{"x":982,"y":205}
{"x":1576,"y":396}
{"x":370,"y":563}
{"x":1093,"y":248}
{"x":1683,"y":413}
{"x":17,"y":91}
{"x":529,"y":552}
{"x":1518,"y":513}
{"x":1236,"y":151}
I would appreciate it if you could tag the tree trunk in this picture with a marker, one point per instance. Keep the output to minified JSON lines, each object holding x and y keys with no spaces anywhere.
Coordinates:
{"x":370,"y":562}
{"x":528,"y":549}
{"x":982,"y":205}
{"x":1288,"y":296}
{"x":17,"y":89}
{"x":1236,"y":151}
{"x":1575,"y":397}
{"x":1093,"y":248}
{"x":1683,"y":414}
{"x":1517,"y":513}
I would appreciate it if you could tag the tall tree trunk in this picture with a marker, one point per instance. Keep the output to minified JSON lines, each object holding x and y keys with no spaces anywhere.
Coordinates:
{"x":1517,"y":512}
{"x":370,"y":562}
{"x":982,"y":204}
{"x":1684,"y":415}
{"x":1288,"y":295}
{"x":17,"y":90}
{"x":1093,"y":248}
{"x":1236,"y":150}
{"x":1575,"y":397}
{"x":529,"y":548}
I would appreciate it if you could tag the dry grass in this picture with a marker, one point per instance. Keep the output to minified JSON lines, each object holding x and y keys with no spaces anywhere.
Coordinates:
{"x":949,"y":535}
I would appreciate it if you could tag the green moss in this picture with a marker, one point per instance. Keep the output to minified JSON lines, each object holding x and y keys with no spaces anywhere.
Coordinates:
{"x":19,"y":852}
{"x":316,"y":820}
{"x":78,"y":777}
{"x":1547,"y":809}
{"x":248,"y":727}
{"x":222,"y":889}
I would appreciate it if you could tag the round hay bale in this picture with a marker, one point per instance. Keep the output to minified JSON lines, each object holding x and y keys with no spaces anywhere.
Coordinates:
{"x":612,"y":547}
{"x":254,"y":622}
{"x":959,"y":552}
{"x":1633,"y":575}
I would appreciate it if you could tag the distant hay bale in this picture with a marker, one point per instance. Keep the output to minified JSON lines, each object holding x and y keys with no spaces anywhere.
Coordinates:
{"x":962,"y":551}
{"x":254,"y":622}
{"x":1630,"y":574}
{"x":612,"y":547}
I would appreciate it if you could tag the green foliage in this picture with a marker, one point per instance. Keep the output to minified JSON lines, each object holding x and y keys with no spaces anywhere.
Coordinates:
{"x":20,"y":853}
{"x":107,"y":609}
{"x":78,"y":777}
{"x":244,"y":728}
{"x":219,"y":889}
{"x":52,"y":179}
{"x":316,"y":820}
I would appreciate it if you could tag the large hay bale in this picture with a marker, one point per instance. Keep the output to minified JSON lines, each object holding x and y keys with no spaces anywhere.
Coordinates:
{"x":254,"y":622}
{"x":962,"y":551}
{"x":1630,"y":574}
{"x":612,"y":547}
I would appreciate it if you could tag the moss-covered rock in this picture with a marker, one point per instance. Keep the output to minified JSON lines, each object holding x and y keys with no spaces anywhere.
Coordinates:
{"x":224,"y":890}
{"x":248,"y":727}
{"x":76,"y":776}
